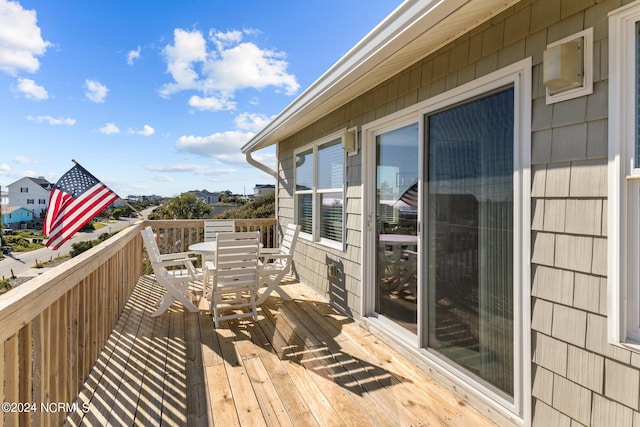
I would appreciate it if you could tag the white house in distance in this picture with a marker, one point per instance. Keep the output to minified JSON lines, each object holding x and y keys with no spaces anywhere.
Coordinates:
{"x":262,"y":189}
{"x":466,"y":178}
{"x":30,"y":193}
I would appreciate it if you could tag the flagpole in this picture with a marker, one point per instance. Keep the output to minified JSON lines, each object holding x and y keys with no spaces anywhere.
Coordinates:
{"x":125,"y":202}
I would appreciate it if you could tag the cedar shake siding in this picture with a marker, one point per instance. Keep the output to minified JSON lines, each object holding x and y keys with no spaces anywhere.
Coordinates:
{"x":578,"y":378}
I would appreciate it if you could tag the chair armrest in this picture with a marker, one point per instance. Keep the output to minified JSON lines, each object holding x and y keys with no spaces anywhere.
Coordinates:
{"x":276,"y":256}
{"x":173,"y":262}
{"x":176,"y":255}
{"x":264,"y":251}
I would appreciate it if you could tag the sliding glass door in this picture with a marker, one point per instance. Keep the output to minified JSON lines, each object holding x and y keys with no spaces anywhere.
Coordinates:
{"x":469,"y":211}
{"x":396,"y":229}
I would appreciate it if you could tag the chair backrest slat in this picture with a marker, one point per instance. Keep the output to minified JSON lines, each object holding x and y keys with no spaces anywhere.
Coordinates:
{"x":212,"y":228}
{"x":150,"y":243}
{"x":237,"y":257}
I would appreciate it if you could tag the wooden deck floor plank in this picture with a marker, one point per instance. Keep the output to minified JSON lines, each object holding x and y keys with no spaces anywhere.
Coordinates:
{"x":248,"y":409}
{"x":174,"y":396}
{"x":315,"y":359}
{"x":197,"y":402}
{"x":221,"y":401}
{"x":351,"y":370}
{"x":378,"y":383}
{"x":152,"y":382}
{"x":292,"y":401}
{"x":130,"y":384}
{"x":423,"y":408}
{"x":106,"y":374}
{"x":210,"y":354}
{"x":268,"y":397}
{"x":93,"y":378}
{"x":319,"y":406}
{"x":355,"y":372}
{"x":435,"y":403}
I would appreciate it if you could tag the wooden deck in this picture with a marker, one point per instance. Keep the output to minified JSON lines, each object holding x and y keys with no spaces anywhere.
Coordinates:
{"x":302,"y":364}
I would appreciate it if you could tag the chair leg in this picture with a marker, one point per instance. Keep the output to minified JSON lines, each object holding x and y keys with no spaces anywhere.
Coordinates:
{"x":273,"y":285}
{"x":173,"y":293}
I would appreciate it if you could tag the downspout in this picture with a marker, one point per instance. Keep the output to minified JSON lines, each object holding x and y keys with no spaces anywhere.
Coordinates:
{"x":266,"y":169}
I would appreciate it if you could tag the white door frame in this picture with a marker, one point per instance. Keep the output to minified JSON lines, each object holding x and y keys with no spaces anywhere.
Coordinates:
{"x":518,"y":75}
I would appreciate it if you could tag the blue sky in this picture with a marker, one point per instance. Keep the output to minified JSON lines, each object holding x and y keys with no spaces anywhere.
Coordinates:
{"x":158,"y":97}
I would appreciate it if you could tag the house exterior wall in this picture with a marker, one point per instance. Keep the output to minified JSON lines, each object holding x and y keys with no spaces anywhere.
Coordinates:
{"x":577,"y":377}
{"x":13,"y":217}
{"x":35,"y":193}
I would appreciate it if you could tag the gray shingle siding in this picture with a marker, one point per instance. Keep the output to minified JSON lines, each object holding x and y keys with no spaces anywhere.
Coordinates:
{"x":577,"y":376}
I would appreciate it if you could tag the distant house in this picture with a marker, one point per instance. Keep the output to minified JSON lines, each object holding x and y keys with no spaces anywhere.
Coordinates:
{"x":16,"y":217}
{"x":467,"y":181}
{"x":262,"y":189}
{"x":4,"y":198}
{"x":206,"y":196}
{"x":32,"y":194}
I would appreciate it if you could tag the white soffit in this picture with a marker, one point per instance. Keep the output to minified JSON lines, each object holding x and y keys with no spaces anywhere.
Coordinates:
{"x":414,"y":30}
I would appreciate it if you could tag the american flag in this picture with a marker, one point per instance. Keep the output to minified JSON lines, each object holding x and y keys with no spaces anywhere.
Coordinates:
{"x":75,"y":199}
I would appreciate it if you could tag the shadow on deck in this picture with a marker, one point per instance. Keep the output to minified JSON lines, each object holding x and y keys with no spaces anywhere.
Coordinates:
{"x":302,"y":364}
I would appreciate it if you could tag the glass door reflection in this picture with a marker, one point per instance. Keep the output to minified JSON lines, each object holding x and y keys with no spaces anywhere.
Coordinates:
{"x":396,"y":234}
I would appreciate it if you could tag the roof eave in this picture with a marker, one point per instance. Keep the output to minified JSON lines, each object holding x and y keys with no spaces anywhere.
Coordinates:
{"x":416,"y":25}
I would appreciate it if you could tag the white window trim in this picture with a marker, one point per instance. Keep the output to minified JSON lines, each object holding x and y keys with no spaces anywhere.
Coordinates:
{"x":519,"y":75}
{"x":315,"y":237}
{"x":623,"y":283}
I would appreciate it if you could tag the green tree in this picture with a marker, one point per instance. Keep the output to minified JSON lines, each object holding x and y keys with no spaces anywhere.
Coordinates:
{"x":185,"y":206}
{"x":262,"y":207}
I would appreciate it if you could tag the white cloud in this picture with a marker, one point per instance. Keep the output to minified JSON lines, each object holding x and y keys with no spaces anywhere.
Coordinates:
{"x":163,"y":178}
{"x":53,"y":121}
{"x":224,"y":146}
{"x":252,"y":122}
{"x":109,"y":129}
{"x":146,"y":131}
{"x":224,"y":67}
{"x":21,"y":41}
{"x":30,"y":90}
{"x":96,"y":91}
{"x":133,"y":55}
{"x":188,"y":48}
{"x":21,"y":160}
{"x":212,"y":103}
{"x":247,"y":66}
{"x":182,"y":168}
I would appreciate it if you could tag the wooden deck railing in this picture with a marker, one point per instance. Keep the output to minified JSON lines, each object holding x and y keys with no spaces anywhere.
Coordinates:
{"x":54,"y":326}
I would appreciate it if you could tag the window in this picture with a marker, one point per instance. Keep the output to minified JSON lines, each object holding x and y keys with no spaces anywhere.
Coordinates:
{"x":30,"y":201}
{"x":24,"y":189}
{"x":319,"y":194}
{"x":42,"y":202}
{"x":624,"y":175}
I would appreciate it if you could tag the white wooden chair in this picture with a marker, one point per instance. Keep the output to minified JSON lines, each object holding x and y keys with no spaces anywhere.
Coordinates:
{"x":211,"y":230}
{"x":234,"y":274}
{"x":175,"y":282}
{"x":277,"y":263}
